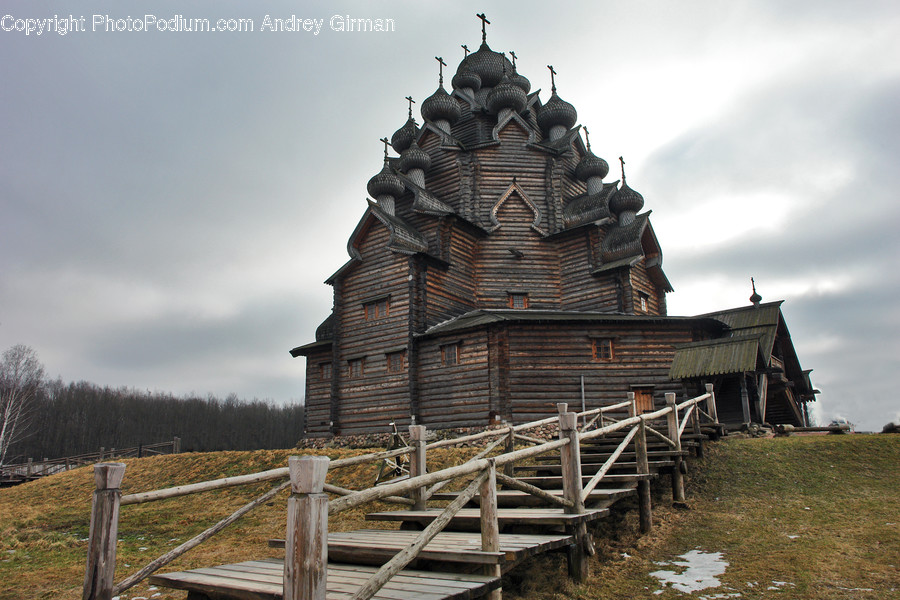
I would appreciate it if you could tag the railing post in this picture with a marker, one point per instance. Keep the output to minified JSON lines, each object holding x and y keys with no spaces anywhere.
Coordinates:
{"x":306,"y":542}
{"x":490,"y":528}
{"x":570,"y":459}
{"x":643,"y":468}
{"x":176,"y":445}
{"x":509,"y":468}
{"x":677,"y":475}
{"x":417,"y":463}
{"x":29,"y":468}
{"x":101,"y":558}
{"x":711,"y":403}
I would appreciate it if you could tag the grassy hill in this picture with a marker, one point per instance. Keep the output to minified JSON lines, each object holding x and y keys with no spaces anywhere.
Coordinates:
{"x":801,"y":517}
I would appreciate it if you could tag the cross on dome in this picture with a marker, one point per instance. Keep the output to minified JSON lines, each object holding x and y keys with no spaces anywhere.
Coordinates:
{"x":484,"y":21}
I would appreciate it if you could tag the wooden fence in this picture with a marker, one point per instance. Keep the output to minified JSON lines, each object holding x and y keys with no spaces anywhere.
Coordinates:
{"x":308,"y":507}
{"x":12,"y":474}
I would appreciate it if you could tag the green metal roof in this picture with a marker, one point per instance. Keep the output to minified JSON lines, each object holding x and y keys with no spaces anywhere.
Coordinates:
{"x":716,"y":357}
{"x":761,"y":321}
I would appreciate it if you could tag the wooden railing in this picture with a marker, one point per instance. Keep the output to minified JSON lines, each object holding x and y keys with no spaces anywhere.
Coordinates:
{"x":309,"y":506}
{"x":32,"y":469}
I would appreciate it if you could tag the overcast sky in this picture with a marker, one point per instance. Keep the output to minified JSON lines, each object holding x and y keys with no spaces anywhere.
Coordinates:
{"x":171,"y":202}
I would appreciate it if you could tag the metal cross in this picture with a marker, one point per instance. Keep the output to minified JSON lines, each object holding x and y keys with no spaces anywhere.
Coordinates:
{"x":410,"y":105}
{"x":622,"y":160}
{"x":386,"y":142}
{"x":513,"y":54}
{"x":466,"y":48}
{"x":587,"y":137}
{"x":552,"y":79}
{"x":484,"y":22}
{"x":441,"y":66}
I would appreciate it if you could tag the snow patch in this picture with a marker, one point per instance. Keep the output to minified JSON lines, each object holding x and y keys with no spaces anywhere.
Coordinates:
{"x":697,"y":571}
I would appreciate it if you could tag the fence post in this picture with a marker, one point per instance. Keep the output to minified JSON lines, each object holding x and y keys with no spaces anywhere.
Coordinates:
{"x":570,"y":459}
{"x":176,"y":445}
{"x":306,"y":542}
{"x":28,"y":469}
{"x":417,"y":463}
{"x":677,"y":475}
{"x":101,"y":558}
{"x":643,"y":468}
{"x":711,"y":403}
{"x":490,"y":528}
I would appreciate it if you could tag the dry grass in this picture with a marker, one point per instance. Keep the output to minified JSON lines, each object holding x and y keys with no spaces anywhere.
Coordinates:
{"x":818,"y":513}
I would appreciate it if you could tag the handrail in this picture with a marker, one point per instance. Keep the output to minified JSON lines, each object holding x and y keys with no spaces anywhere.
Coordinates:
{"x":586,"y":492}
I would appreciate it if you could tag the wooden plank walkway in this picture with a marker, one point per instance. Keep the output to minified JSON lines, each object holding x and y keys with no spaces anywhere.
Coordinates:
{"x":514,"y":498}
{"x":471,"y":517}
{"x":376,"y":546}
{"x":262,"y":580}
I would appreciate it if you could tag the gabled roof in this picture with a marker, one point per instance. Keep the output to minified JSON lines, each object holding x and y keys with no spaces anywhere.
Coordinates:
{"x":717,"y":357}
{"x":759,"y":320}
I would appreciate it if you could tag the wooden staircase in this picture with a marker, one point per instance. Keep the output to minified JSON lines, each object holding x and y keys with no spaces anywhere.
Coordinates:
{"x":461,"y":550}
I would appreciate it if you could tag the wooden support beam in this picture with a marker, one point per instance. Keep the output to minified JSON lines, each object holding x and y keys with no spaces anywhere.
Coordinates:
{"x":745,"y":399}
{"x":570,"y":458}
{"x":711,"y":403}
{"x":490,"y":528}
{"x":101,"y":557}
{"x":306,"y":543}
{"x":645,"y":505}
{"x":417,"y":464}
{"x":673,"y":430}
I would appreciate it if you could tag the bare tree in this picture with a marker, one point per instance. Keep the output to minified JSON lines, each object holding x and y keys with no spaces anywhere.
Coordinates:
{"x":21,"y":376}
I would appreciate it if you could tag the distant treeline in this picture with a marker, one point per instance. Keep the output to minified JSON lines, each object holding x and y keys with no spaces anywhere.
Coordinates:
{"x":78,"y":418}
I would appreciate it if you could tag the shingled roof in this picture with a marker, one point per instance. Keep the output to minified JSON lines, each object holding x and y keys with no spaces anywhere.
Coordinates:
{"x":717,"y":357}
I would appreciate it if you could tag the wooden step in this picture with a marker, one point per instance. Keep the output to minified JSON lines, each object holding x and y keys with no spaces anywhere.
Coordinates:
{"x":514,"y":498}
{"x":263,"y":580}
{"x":612,"y":480}
{"x":470,"y":518}
{"x":590,"y":468}
{"x":600,"y":457}
{"x":377,"y":546}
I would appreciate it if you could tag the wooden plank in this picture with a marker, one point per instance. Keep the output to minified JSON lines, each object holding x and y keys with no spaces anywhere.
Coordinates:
{"x":261,"y":580}
{"x":469,"y":517}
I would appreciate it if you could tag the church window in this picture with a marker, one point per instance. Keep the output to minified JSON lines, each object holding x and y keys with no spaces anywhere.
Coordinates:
{"x":355,"y":367}
{"x":450,"y":354}
{"x":645,"y":301}
{"x":377,"y":309}
{"x":518,"y":301}
{"x":396,"y":361}
{"x":602,"y":349}
{"x":325,"y":371}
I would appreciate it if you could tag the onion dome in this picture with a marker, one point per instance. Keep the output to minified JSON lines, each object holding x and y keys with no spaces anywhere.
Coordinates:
{"x":404,"y":136}
{"x":556,"y":112}
{"x":440,"y":107}
{"x":625,"y":199}
{"x":466,"y":78}
{"x":590,"y":165}
{"x":487,"y":64}
{"x":385,"y":183}
{"x":414,"y":158}
{"x":755,"y":298}
{"x":506,"y":95}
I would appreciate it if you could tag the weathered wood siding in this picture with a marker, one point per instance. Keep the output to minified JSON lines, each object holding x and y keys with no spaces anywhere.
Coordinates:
{"x":500,"y":272}
{"x":371,"y":401}
{"x":547,"y":360}
{"x":455,"y":395}
{"x":450,"y":293}
{"x":641,"y":283}
{"x":580,"y":290}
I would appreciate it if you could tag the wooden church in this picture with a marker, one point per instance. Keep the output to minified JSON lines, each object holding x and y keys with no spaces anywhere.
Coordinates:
{"x":496,"y":272}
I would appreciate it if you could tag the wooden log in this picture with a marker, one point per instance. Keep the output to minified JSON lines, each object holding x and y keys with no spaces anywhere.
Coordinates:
{"x":607,"y":465}
{"x":101,"y":557}
{"x":490,"y":527}
{"x":645,"y":506}
{"x":417,"y":464}
{"x":405,"y":556}
{"x":510,"y":447}
{"x":570,"y":459}
{"x":673,"y":430}
{"x":340,"y":491}
{"x":512,"y":482}
{"x":306,"y":544}
{"x":436,"y":487}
